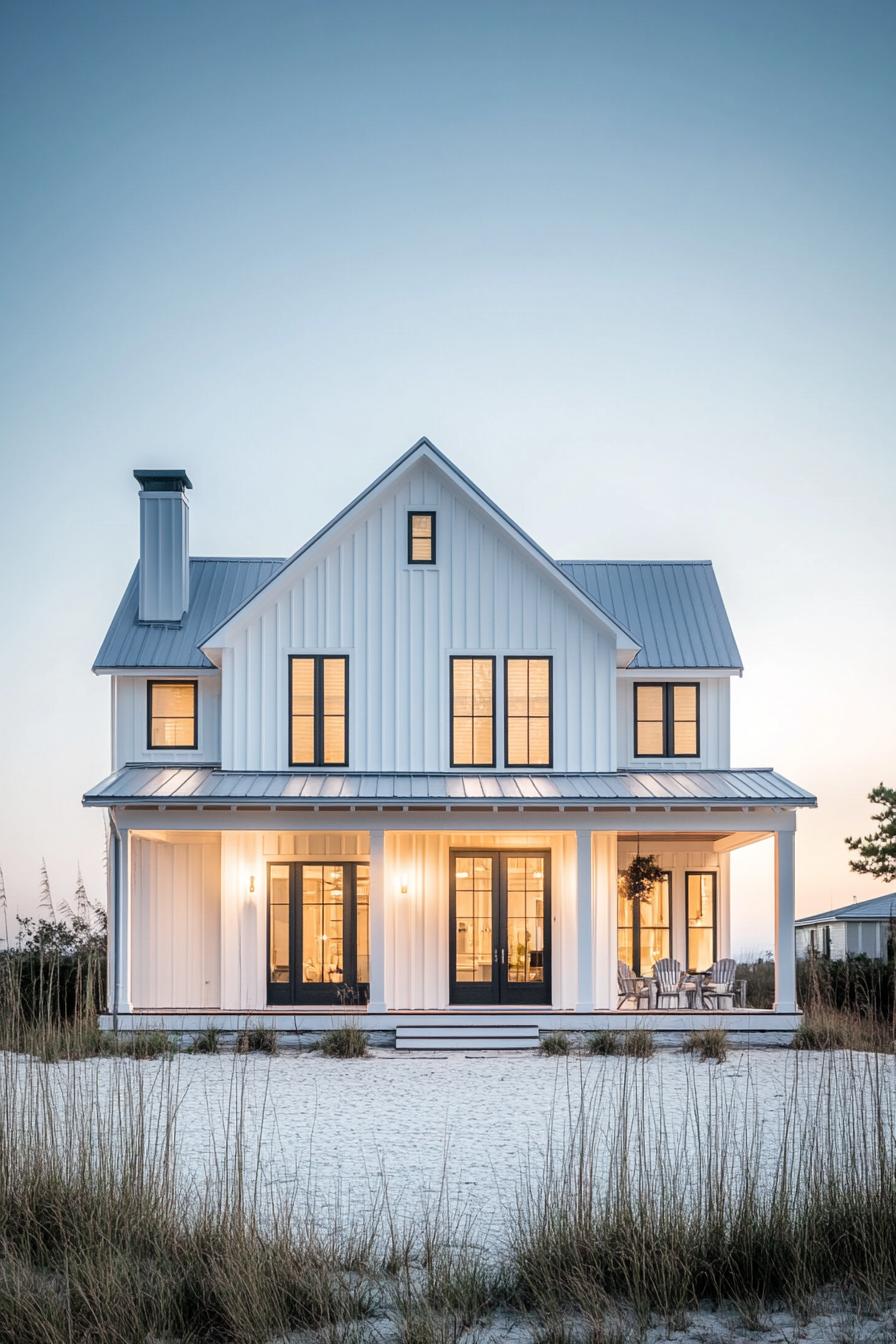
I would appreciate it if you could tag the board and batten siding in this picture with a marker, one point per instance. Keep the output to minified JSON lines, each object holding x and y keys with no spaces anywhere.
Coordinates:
{"x":129,"y":723}
{"x":176,"y":921}
{"x":715,"y":724}
{"x":400,"y":623}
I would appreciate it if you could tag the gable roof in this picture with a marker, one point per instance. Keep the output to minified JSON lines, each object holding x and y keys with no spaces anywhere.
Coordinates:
{"x":217,"y":587}
{"x":877,"y":907}
{"x":424,"y":448}
{"x":673,"y":608}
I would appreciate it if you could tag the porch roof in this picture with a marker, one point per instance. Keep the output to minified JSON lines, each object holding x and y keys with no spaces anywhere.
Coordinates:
{"x":162,"y":785}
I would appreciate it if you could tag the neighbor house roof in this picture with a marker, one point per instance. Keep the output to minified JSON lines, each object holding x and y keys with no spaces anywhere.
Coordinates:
{"x":673,"y":608}
{"x":191,"y":785}
{"x":878,"y":907}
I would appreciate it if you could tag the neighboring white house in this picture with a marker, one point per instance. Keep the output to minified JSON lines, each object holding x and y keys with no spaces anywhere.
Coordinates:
{"x":404,"y":767}
{"x":860,"y":929}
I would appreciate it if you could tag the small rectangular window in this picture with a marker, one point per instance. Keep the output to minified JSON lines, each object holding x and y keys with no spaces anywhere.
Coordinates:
{"x":421,"y":538}
{"x":667,"y":718}
{"x":473,"y":711}
{"x":171,"y":715}
{"x":318,"y":710}
{"x":527,"y":711}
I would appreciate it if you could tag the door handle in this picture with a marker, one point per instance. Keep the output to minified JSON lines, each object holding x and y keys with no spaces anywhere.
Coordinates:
{"x":495,"y":956}
{"x":502,"y":956}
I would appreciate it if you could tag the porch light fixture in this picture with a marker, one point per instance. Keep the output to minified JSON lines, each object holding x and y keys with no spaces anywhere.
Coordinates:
{"x":251,"y":884}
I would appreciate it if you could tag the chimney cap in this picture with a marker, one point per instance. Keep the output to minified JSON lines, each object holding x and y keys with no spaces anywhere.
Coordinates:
{"x":165,"y":479}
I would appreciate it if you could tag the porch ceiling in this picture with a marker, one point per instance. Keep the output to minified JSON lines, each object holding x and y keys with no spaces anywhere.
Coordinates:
{"x":657,"y":789}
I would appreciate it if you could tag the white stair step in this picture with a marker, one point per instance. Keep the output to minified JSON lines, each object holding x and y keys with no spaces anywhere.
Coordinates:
{"x":463,"y":1029}
{"x":466,"y":1038}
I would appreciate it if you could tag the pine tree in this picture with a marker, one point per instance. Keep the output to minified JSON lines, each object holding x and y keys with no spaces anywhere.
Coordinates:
{"x":877,"y":851}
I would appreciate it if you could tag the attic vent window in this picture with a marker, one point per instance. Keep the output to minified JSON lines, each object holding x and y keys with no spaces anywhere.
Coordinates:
{"x":422,"y":538}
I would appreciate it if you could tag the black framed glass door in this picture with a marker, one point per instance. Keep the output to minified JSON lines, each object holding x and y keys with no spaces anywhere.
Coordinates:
{"x":500,"y":926}
{"x":318,"y":932}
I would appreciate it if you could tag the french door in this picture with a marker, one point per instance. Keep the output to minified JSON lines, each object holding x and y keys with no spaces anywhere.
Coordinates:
{"x":318,"y":932}
{"x":500,"y":930}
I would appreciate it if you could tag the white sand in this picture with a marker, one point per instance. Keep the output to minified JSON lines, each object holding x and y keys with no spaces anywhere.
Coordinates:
{"x":465,"y":1125}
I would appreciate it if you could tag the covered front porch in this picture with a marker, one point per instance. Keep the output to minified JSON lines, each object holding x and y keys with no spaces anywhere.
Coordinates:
{"x":426,"y":922}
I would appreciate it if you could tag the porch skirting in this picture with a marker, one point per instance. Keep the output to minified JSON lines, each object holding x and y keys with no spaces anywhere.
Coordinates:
{"x":301,"y":1025}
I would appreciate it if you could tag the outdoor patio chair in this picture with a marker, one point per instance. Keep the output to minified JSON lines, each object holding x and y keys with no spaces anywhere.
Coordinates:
{"x":631,"y":986}
{"x":669,"y":981}
{"x":718,"y":984}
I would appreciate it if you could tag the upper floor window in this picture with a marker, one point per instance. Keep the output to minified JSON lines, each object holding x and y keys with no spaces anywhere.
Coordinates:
{"x":318,"y":710}
{"x":473,"y":711}
{"x":422,"y":538}
{"x":171,"y":714}
{"x":527,"y":711}
{"x":667,"y":718}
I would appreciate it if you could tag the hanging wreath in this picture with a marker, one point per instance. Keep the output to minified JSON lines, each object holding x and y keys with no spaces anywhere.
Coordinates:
{"x":641,"y":876}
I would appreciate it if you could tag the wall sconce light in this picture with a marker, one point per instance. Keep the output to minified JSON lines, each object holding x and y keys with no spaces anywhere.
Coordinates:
{"x":404,"y":886}
{"x":252,"y":884}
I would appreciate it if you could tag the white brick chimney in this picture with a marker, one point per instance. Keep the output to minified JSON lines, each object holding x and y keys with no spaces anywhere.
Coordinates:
{"x":164,"y":575}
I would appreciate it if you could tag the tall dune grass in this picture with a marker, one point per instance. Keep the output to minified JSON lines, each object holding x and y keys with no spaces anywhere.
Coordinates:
{"x":637,"y":1214}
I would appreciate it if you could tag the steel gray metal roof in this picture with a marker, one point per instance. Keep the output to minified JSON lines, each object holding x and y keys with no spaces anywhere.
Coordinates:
{"x":673,"y":608}
{"x":217,"y":587}
{"x":877,"y":907}
{"x":153,"y":784}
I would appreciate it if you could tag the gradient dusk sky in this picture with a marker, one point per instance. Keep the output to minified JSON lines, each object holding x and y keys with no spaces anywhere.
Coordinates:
{"x":630,"y":265}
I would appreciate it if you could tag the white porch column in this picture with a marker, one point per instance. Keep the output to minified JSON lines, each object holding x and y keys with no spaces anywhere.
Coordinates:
{"x":377,"y":1000}
{"x":785,"y":914}
{"x":605,"y":933}
{"x":120,"y":941}
{"x":584,"y":923}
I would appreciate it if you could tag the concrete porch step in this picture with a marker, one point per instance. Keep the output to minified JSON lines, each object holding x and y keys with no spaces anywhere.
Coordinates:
{"x":451,"y":1036}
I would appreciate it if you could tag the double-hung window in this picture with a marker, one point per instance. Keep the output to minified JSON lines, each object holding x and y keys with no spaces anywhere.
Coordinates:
{"x":527,"y":711}
{"x":171,"y":715}
{"x":667,"y":718}
{"x":473,"y":711}
{"x":318,"y":709}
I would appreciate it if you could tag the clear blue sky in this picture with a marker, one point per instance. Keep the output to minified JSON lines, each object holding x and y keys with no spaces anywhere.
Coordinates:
{"x":630,"y":265}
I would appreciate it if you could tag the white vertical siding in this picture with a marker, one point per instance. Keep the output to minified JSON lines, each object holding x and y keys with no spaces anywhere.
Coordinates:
{"x":175,"y":922}
{"x":715,"y":718}
{"x":129,"y":735}
{"x":400,"y":623}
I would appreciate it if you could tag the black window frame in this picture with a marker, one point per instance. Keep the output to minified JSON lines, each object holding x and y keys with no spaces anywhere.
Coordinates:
{"x":636,"y":926}
{"x":421,"y":513}
{"x":469,"y":658}
{"x":318,"y":763}
{"x":701,"y":872}
{"x":668,"y":689}
{"x":529,"y":658}
{"x":171,"y":681}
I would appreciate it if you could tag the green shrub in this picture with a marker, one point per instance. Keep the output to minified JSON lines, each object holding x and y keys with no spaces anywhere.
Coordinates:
{"x":827,"y":1031}
{"x":638,"y":1043}
{"x":262,"y":1039}
{"x":207,"y":1042}
{"x":711,"y":1043}
{"x":344,"y":1043}
{"x":555,"y":1043}
{"x":604,"y":1043}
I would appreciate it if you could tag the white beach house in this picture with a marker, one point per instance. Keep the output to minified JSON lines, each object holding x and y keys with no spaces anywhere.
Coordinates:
{"x":400,"y":772}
